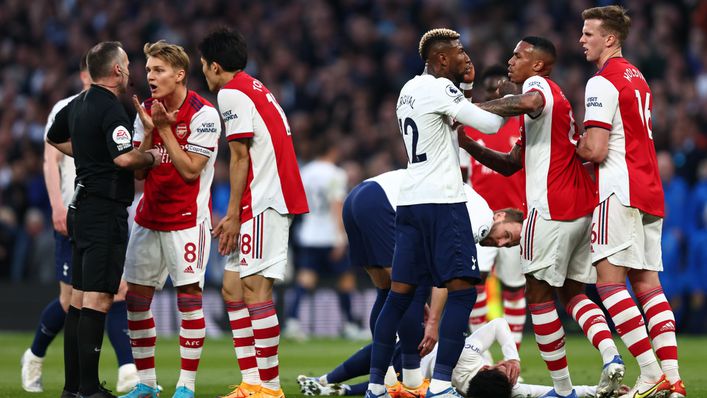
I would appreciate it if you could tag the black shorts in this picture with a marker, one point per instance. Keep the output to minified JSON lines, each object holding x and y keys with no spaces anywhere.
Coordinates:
{"x":99,"y":231}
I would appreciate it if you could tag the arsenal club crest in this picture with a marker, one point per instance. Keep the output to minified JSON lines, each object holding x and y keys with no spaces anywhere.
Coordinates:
{"x":181,"y":130}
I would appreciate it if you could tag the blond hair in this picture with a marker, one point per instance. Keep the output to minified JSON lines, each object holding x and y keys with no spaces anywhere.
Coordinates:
{"x":614,"y":20}
{"x":434,"y":36}
{"x":173,"y":54}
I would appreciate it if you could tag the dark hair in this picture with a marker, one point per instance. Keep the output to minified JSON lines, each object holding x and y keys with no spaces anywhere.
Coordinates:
{"x":614,"y":19}
{"x":494,"y":70}
{"x":541,"y":44}
{"x":83,"y":65}
{"x":489,"y":383}
{"x":226,"y":47}
{"x":102,"y":57}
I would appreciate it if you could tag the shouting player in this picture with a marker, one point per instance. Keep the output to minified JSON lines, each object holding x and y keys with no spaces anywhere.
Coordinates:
{"x":172,"y":220}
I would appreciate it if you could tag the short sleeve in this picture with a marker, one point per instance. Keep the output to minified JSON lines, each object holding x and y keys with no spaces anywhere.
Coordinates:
{"x":537,"y":83}
{"x":336,"y":190}
{"x":138,"y":131}
{"x":52,"y":115}
{"x":205,"y":129}
{"x":117,"y":132}
{"x":448,"y":98}
{"x":58,"y":128}
{"x":601,"y":100}
{"x":237,"y":111}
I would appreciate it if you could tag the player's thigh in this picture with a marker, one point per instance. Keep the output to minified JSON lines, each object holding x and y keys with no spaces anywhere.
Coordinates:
{"x":652,"y":233}
{"x":618,"y":235}
{"x":186,"y":253}
{"x":578,"y":244}
{"x":409,"y":256}
{"x":375,"y":219}
{"x":263,"y":246}
{"x":451,"y":244}
{"x":546,"y":248}
{"x":508,"y":268}
{"x":144,"y":259}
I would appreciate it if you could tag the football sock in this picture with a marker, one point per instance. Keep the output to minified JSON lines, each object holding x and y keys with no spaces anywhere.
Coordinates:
{"x":345,"y":305}
{"x":266,"y":331}
{"x":117,"y":330}
{"x":514,"y":312}
{"x":297,"y":294}
{"x":411,"y":331}
{"x":356,"y":365}
{"x":243,"y":341}
{"x":381,"y":295}
{"x":661,"y":326}
{"x":71,"y":350}
{"x":454,"y":323}
{"x":50,"y":323}
{"x":592,"y":321}
{"x":384,"y":337}
{"x":356,"y":389}
{"x":191,"y":337}
{"x":143,"y":337}
{"x":477,"y":317}
{"x":90,"y":332}
{"x":550,"y":337}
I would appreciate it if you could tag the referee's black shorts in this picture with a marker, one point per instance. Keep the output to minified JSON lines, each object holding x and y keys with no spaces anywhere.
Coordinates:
{"x":99,"y":231}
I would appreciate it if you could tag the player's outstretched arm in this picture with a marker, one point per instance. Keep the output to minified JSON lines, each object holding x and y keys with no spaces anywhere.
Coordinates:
{"x":504,"y":163}
{"x":531,"y":103}
{"x":471,"y":115}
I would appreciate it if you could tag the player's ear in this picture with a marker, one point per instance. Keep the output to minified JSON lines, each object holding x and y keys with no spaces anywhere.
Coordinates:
{"x":181,"y":75}
{"x":611,"y":40}
{"x":538,"y":66}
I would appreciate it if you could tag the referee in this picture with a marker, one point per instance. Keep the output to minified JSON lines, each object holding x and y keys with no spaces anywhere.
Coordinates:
{"x":94,"y":129}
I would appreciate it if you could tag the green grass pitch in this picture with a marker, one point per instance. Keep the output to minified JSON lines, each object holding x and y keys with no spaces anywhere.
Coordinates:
{"x":218,"y":366}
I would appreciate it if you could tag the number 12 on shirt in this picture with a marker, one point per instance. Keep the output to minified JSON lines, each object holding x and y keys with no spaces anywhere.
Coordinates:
{"x":410,"y":124}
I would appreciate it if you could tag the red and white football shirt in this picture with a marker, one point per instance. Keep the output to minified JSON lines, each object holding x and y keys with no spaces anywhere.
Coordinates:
{"x":556,"y":182}
{"x":169,"y":203}
{"x":618,"y":99}
{"x":249,"y":110}
{"x":499,"y":191}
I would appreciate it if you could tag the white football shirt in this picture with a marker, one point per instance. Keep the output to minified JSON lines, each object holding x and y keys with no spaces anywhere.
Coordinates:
{"x":427,"y":108}
{"x":67,"y":169}
{"x":324,"y":183}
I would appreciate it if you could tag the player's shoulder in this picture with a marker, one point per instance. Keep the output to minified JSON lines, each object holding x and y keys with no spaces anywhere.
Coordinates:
{"x":537,"y":83}
{"x":63,"y":103}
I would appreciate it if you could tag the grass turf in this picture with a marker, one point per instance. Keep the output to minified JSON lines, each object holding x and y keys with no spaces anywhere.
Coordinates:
{"x":218,"y":367}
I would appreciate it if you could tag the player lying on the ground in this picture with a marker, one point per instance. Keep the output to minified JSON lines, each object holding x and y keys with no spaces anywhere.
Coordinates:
{"x":473,"y":376}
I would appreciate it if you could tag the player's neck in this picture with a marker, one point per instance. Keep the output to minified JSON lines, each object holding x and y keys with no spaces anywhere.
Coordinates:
{"x":109,"y":84}
{"x":611,"y":53}
{"x":437,"y":71}
{"x":174,"y":101}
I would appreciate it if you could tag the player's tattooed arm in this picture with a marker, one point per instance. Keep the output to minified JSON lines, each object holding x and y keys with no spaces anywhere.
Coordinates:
{"x":504,"y":163}
{"x":531,"y":103}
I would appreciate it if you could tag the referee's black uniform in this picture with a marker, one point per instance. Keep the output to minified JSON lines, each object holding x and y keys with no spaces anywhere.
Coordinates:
{"x":98,"y":127}
{"x":97,"y":220}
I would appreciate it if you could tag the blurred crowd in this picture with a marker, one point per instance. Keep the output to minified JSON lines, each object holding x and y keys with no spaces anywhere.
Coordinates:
{"x":336,"y":68}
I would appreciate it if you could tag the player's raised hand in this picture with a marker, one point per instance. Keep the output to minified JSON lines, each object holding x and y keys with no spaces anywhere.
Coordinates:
{"x":227,"y":232}
{"x":142,"y":114}
{"x":161,"y":117}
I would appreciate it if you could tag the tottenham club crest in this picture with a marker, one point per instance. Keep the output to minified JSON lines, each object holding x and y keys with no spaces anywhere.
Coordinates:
{"x":181,"y":130}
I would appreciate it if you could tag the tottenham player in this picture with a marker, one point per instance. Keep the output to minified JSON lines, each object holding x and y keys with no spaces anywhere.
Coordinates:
{"x":266,"y":191}
{"x":434,"y":238}
{"x":59,"y":176}
{"x":322,"y":238}
{"x":473,"y":376}
{"x":559,"y":258}
{"x":505,"y":261}
{"x":627,"y":224}
{"x":170,"y":233}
